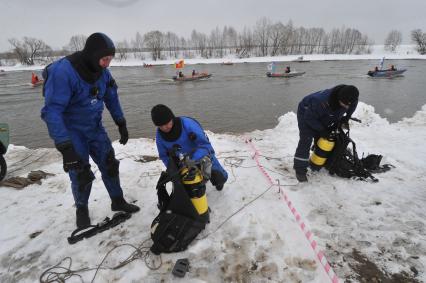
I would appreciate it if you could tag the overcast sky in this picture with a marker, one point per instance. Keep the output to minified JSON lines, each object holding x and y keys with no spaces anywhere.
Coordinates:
{"x":55,"y":21}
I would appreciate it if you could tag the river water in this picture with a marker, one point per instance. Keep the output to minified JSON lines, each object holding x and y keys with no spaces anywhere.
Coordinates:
{"x":237,"y":98}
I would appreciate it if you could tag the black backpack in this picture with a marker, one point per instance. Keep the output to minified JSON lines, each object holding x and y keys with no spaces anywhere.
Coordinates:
{"x":45,"y":76}
{"x":178,"y":222}
{"x":344,"y":160}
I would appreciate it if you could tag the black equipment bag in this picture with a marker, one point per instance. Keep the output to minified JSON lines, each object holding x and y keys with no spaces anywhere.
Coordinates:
{"x":345,"y":162}
{"x":178,"y":222}
{"x":173,"y":232}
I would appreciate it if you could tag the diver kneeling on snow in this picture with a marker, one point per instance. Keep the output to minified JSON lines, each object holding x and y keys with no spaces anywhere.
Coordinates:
{"x":317,"y":115}
{"x":190,"y":159}
{"x":190,"y":136}
{"x":76,"y":89}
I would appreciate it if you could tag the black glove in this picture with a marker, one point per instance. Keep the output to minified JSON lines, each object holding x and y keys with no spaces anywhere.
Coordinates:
{"x":72,"y":160}
{"x":325,"y":133}
{"x":122,"y":129}
{"x":85,"y":176}
{"x":344,"y":122}
{"x":344,"y":119}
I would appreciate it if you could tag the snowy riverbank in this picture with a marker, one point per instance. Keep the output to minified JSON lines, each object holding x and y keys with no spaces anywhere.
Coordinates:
{"x":365,"y":229}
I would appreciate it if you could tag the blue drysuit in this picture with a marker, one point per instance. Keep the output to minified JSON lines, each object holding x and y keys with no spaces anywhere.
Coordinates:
{"x":73,"y":112}
{"x":314,"y":115}
{"x":192,"y":140}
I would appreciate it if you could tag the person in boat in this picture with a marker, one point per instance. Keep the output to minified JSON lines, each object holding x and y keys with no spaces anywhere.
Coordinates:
{"x":317,"y":114}
{"x":180,"y":75}
{"x":189,"y":135}
{"x":287,"y":70}
{"x":77,"y":88}
{"x":34,"y":79}
{"x":392,"y":68}
{"x":371,"y":73}
{"x":194,"y":73}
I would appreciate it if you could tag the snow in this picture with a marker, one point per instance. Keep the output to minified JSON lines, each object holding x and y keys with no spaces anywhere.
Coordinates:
{"x":384,"y":221}
{"x":377,"y":53}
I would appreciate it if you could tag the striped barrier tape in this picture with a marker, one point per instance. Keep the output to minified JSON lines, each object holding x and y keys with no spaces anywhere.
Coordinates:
{"x":308,"y":234}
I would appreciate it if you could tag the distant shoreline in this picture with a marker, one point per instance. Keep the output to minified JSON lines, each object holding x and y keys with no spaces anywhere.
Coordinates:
{"x":405,"y":52}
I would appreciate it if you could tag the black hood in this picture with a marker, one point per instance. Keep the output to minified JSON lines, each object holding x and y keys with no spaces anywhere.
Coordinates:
{"x":161,"y":115}
{"x":86,"y":62}
{"x":175,"y":132}
{"x":333,"y":101}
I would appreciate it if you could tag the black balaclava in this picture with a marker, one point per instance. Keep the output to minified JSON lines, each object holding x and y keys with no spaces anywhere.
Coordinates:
{"x":333,"y":101}
{"x":161,"y":115}
{"x":175,"y":132}
{"x":86,"y":62}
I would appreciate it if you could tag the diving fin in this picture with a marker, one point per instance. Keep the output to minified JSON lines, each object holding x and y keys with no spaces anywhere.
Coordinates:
{"x":90,"y":231}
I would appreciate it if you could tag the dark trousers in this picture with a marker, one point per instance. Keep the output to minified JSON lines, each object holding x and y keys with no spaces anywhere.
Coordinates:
{"x":102,"y":153}
{"x":301,"y":157}
{"x":219,"y":175}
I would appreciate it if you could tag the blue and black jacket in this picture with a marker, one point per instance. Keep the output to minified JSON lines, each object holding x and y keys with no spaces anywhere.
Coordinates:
{"x":316,"y":111}
{"x":73,"y":104}
{"x":192,"y":140}
{"x":188,"y":135}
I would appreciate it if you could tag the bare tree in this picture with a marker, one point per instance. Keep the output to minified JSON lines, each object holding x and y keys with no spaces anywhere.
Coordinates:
{"x":353,"y":38}
{"x":334,"y":41}
{"x":325,"y":49}
{"x":265,"y":38}
{"x":245,"y":43}
{"x":121,"y":50}
{"x":286,"y":40}
{"x":20,"y":50}
{"x":418,"y":37}
{"x":364,"y":45}
{"x":29,"y":49}
{"x":175,"y":45}
{"x":393,"y":40}
{"x":262,"y":34}
{"x":76,"y":43}
{"x":299,"y":37}
{"x":275,"y":35}
{"x":137,"y":45}
{"x":230,"y":37}
{"x":183,"y":44}
{"x":199,"y":42}
{"x":154,"y":41}
{"x":171,"y":42}
{"x":216,"y":43}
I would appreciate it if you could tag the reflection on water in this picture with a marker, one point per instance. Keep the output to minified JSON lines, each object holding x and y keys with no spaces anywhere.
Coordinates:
{"x":238,"y":98}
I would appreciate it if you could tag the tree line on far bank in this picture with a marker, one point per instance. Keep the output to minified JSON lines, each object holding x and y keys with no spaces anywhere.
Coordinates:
{"x":264,"y":39}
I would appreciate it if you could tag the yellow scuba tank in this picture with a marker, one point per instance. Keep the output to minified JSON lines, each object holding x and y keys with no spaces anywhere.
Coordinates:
{"x":322,"y":151}
{"x":193,"y":181}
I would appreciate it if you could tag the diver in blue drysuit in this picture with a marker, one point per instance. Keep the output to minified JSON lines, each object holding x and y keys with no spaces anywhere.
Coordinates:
{"x":317,"y":114}
{"x":189,"y":136}
{"x":76,"y":88}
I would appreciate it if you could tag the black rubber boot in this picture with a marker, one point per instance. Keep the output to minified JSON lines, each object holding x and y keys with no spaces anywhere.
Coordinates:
{"x":82,"y":216}
{"x":219,"y":187}
{"x":120,"y":204}
{"x":301,"y":177}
